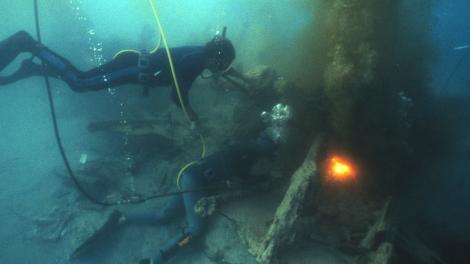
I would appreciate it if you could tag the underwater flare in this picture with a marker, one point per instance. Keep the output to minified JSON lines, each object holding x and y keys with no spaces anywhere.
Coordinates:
{"x":340,"y":170}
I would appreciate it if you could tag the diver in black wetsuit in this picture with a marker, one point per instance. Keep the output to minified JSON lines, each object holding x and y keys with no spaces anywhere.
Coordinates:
{"x":232,"y":167}
{"x":220,"y":171}
{"x":147,"y":69}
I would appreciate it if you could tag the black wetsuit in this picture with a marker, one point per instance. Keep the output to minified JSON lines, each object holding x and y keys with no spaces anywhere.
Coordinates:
{"x":212,"y":173}
{"x":124,"y":69}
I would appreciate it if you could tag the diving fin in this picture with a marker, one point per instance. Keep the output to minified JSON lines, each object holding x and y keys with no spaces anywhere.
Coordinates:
{"x":27,"y":69}
{"x":19,"y":42}
{"x":99,"y":235}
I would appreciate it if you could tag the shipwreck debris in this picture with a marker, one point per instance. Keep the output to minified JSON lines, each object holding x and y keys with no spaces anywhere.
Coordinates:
{"x":281,"y":231}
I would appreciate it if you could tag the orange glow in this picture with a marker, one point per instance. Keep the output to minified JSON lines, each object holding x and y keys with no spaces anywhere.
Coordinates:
{"x":340,"y":170}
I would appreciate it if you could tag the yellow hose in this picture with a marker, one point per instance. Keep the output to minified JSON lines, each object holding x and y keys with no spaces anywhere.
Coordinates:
{"x":170,"y":59}
{"x":175,"y":80}
{"x":180,"y":173}
{"x":124,"y":51}
{"x":136,"y":51}
{"x":158,"y":45}
{"x":203,"y":142}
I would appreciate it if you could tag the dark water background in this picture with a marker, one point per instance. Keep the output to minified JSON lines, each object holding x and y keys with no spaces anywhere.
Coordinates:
{"x":452,"y":30}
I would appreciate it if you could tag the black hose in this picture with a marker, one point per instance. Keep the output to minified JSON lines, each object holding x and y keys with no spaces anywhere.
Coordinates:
{"x":54,"y":122}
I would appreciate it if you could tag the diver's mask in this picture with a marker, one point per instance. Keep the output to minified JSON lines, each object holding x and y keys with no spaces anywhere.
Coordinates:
{"x":276,"y":121}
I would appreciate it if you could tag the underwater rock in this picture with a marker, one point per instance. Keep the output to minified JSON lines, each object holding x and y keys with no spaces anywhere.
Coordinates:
{"x":54,"y":225}
{"x":222,"y":245}
{"x":83,"y":227}
{"x":105,"y":178}
{"x":263,"y":77}
{"x":260,"y":85}
{"x":265,"y":88}
{"x":244,"y":221}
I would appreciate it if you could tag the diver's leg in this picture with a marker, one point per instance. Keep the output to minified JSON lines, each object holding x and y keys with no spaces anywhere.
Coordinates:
{"x":63,"y":68}
{"x":118,"y":218}
{"x":27,"y":69}
{"x":14,"y":45}
{"x":23,"y":42}
{"x":171,"y":210}
{"x":119,"y":71}
{"x":116,"y":72}
{"x":195,"y":221}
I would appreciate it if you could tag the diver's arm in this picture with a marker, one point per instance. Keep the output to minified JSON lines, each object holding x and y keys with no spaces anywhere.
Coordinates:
{"x":239,"y":80}
{"x":238,"y":75}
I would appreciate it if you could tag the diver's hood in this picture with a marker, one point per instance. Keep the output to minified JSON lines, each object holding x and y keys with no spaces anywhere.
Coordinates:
{"x":222,"y":50}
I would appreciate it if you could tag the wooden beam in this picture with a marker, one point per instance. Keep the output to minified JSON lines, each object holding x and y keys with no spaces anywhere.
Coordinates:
{"x":281,"y":232}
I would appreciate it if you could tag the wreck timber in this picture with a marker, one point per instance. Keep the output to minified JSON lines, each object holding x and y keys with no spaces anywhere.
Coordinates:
{"x":281,"y":232}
